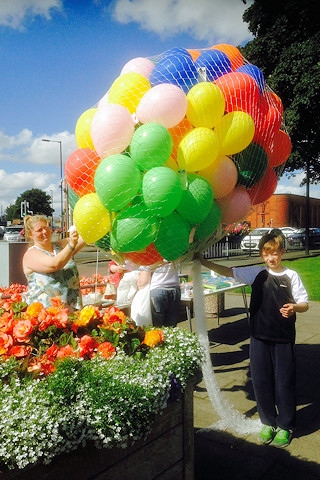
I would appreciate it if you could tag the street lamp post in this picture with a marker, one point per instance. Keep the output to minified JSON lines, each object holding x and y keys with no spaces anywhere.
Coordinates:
{"x":61,"y":181}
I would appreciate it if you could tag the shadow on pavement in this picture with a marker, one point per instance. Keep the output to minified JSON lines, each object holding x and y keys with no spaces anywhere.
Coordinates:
{"x":221,"y":456}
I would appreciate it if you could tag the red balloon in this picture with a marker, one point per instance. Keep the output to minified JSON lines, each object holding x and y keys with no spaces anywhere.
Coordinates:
{"x":263,"y":190}
{"x":241,"y":91}
{"x":267,"y":123}
{"x":280,"y":149}
{"x":149,"y":256}
{"x":80,"y":169}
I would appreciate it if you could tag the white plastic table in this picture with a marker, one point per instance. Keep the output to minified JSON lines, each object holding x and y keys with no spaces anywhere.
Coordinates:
{"x":188,"y":300}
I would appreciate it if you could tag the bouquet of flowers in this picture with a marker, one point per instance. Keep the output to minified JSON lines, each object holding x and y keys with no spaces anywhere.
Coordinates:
{"x":88,"y":376}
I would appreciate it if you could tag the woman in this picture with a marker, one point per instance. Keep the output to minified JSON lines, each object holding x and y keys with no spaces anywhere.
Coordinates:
{"x":49,"y":267}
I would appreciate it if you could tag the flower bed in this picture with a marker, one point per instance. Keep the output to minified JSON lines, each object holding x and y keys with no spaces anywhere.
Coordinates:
{"x":87,"y":378}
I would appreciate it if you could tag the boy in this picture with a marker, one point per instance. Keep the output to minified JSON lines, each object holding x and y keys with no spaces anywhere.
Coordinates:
{"x":277,"y":295}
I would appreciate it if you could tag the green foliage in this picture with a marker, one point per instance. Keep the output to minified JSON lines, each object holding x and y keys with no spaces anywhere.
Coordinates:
{"x":308,"y":269}
{"x":286,"y":48}
{"x":39,"y":202}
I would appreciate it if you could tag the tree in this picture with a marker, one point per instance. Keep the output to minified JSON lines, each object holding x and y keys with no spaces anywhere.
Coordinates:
{"x":286,"y":48}
{"x":39,"y":202}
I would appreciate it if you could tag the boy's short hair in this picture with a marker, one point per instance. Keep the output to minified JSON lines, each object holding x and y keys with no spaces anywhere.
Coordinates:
{"x":272,"y":240}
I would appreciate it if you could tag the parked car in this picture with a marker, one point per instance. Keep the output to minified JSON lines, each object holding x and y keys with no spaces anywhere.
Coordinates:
{"x":297,"y":240}
{"x":250,"y":243}
{"x":13,"y":233}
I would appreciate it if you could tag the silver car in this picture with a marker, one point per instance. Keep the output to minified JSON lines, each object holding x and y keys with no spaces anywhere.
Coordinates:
{"x":250,"y":243}
{"x":13,"y":233}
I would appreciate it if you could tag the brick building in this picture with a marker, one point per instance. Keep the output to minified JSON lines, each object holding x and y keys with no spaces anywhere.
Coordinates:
{"x":285,"y":210}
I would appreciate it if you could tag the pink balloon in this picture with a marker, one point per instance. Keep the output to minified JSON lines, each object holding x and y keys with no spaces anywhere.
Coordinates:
{"x":235,"y":206}
{"x":165,"y":104}
{"x":111,"y":129}
{"x":141,"y":65}
{"x":222,"y":175}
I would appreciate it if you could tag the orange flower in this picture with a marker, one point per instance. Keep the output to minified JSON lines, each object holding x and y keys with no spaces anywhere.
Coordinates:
{"x":61,"y":319}
{"x":66,"y":351}
{"x":45,"y":320}
{"x":20,"y":351}
{"x":22,"y":330}
{"x":114,"y":315}
{"x":106,"y":350}
{"x":6,"y":322}
{"x":6,"y":342}
{"x":34,"y":309}
{"x":153,"y":338}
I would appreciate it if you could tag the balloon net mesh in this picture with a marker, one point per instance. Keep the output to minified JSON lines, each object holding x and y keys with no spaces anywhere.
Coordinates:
{"x":181,"y":146}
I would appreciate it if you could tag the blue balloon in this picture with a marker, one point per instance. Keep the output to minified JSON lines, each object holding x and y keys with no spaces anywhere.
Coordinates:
{"x":255,"y":72}
{"x":215,"y":62}
{"x":177,"y":67}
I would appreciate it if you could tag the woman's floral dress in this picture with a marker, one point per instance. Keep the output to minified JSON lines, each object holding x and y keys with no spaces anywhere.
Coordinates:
{"x":63,"y":283}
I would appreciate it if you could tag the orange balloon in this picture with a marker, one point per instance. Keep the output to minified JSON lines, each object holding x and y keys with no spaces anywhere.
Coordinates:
{"x":177,"y":133}
{"x":280,"y":150}
{"x":194,"y":53}
{"x":233,"y":53}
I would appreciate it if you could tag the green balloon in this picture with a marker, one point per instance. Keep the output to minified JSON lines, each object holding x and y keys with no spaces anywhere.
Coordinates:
{"x":161,"y":190}
{"x":252,"y":164}
{"x":173,"y":237}
{"x":196,"y":200}
{"x":72,"y":197}
{"x":104,"y":243}
{"x":133,"y":229}
{"x":151,"y":145}
{"x":117,"y":181}
{"x":209,"y":224}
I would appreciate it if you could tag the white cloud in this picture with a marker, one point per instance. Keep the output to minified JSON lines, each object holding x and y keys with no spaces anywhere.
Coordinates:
{"x":14,"y":13}
{"x":28,"y":150}
{"x":293,"y":185}
{"x":217,"y":21}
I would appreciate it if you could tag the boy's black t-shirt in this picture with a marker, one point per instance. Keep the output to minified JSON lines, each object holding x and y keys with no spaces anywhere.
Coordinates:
{"x":269,"y":294}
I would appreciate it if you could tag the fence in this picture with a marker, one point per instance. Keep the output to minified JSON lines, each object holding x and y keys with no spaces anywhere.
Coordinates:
{"x":223,"y":249}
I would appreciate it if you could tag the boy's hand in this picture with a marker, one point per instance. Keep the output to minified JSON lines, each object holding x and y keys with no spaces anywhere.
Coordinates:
{"x":287,"y":310}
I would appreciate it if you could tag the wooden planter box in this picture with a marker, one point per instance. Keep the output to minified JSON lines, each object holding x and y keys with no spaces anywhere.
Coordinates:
{"x":167,"y":453}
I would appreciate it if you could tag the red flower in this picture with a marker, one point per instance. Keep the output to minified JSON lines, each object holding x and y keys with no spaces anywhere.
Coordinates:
{"x":87,"y":345}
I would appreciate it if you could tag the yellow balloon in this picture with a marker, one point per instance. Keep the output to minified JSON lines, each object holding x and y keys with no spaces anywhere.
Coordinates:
{"x":128,"y":89}
{"x":91,"y":218}
{"x":205,"y":105}
{"x":198,"y":149}
{"x":235,"y":131}
{"x":83,"y":129}
{"x":222,"y":175}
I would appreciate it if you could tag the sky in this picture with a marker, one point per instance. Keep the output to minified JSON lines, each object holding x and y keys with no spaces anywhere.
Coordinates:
{"x":60,"y":57}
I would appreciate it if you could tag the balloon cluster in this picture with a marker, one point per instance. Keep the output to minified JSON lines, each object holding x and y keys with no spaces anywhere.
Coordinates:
{"x":181,"y":145}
